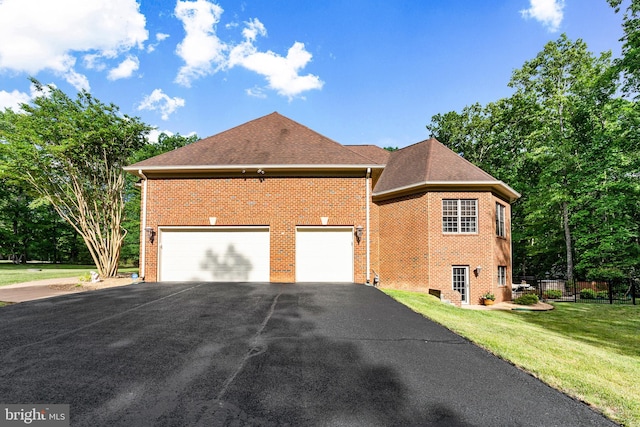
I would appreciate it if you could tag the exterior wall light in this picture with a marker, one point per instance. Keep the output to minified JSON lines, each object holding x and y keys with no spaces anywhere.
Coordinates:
{"x":477,"y":270}
{"x":359,"y":230}
{"x":151,"y":234}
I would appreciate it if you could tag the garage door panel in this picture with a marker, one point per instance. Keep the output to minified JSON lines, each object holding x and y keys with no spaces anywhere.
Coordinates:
{"x":213,"y":255}
{"x":324,"y":255}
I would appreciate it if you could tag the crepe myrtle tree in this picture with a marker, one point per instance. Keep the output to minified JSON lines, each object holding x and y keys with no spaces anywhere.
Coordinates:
{"x":71,"y":153}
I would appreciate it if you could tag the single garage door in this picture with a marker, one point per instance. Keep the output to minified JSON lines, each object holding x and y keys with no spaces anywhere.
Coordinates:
{"x":324,"y":254}
{"x":238,"y":254}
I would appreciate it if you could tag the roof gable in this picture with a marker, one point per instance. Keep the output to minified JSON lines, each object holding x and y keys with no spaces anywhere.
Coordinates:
{"x":269,"y":140}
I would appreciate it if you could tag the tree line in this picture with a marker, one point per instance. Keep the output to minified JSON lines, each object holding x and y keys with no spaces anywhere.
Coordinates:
{"x":568,"y":140}
{"x":63,"y":194}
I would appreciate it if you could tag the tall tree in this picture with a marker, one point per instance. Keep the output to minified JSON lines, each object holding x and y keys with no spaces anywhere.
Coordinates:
{"x":629,"y":63}
{"x":72,"y":152}
{"x":557,"y":84}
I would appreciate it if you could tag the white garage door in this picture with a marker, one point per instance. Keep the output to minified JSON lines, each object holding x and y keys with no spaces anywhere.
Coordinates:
{"x":324,"y":255}
{"x":214,"y":255}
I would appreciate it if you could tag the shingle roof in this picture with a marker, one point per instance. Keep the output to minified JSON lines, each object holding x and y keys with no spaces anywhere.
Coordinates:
{"x":269,"y":140}
{"x":432,"y":163}
{"x":373,"y":152}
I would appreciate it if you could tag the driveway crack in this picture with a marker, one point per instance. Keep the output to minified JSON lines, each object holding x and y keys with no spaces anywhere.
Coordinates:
{"x":256,"y":347}
{"x":92,"y":324}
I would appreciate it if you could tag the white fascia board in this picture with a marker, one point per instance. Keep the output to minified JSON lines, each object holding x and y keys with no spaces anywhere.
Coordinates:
{"x":513,"y":194}
{"x":236,"y":168}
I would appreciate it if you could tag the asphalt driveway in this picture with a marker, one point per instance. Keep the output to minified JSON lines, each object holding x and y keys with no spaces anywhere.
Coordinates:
{"x":206,"y":354}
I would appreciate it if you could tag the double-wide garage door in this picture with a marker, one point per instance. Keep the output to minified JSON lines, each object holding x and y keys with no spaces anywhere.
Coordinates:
{"x":241,"y":254}
{"x":214,"y":255}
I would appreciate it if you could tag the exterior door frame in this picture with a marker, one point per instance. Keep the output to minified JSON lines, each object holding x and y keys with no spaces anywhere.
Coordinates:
{"x":460,"y":281}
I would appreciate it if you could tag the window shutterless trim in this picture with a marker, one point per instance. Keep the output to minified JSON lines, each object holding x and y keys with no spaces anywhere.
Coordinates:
{"x":460,"y":216}
{"x":501,"y":230}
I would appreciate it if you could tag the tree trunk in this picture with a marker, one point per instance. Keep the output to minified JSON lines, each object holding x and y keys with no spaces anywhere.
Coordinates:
{"x":567,"y":238}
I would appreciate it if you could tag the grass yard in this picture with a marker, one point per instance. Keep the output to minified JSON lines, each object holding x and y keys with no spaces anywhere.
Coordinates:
{"x":588,"y":351}
{"x":18,"y":273}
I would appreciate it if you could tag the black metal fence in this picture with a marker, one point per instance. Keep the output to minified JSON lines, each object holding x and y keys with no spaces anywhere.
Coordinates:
{"x":623,"y":291}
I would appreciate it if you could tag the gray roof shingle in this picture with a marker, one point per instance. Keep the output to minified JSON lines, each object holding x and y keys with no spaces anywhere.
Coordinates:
{"x":431,"y":163}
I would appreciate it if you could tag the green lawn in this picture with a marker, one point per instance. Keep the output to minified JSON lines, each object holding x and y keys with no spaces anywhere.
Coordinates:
{"x":11,"y":273}
{"x":588,"y":351}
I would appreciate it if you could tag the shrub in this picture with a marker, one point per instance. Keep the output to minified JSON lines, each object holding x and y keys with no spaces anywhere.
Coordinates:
{"x":552,"y":294}
{"x":527,"y":299}
{"x":587,"y":294}
{"x":602,"y":295}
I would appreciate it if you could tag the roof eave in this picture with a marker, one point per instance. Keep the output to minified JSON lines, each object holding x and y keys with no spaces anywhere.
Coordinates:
{"x":135,"y":169}
{"x":495,"y":186}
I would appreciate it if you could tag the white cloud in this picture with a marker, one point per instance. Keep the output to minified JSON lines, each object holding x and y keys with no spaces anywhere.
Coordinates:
{"x":31,"y":39}
{"x":160,"y":37}
{"x":125,"y":69}
{"x":155,"y":133}
{"x":548,"y":12}
{"x":13,"y":99}
{"x":201,"y":48}
{"x":256,"y":92}
{"x":159,"y":101}
{"x":282,"y":73}
{"x":204,"y":53}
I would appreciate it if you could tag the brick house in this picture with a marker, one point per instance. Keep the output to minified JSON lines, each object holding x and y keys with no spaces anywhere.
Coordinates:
{"x":273,"y":201}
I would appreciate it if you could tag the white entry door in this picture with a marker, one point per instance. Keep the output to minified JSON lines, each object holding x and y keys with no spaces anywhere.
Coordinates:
{"x":461,"y":282}
{"x":324,"y":254}
{"x":230,"y":254}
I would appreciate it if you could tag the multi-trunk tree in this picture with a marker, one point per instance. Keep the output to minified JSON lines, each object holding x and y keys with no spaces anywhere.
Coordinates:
{"x":71,"y":153}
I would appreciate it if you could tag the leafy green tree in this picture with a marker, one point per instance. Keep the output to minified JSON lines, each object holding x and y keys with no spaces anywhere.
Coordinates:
{"x":565,"y":90}
{"x":71,"y":153}
{"x":570,"y":146}
{"x":629,"y":63}
{"x":165,"y":143}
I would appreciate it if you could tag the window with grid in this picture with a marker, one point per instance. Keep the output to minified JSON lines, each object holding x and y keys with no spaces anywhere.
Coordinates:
{"x":502,"y":275}
{"x":459,"y":215}
{"x":500,"y":228}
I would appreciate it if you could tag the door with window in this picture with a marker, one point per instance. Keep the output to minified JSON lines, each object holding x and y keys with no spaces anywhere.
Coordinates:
{"x":461,"y":282}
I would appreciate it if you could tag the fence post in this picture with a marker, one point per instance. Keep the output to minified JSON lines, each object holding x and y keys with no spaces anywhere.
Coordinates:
{"x":610,"y":287}
{"x":633,"y":291}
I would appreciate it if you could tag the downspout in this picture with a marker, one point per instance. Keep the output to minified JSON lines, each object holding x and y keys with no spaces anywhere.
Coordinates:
{"x":143,"y":249}
{"x":368,"y":177}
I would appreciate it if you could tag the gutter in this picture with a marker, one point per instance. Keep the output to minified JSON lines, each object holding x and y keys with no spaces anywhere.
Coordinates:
{"x":251,"y":167}
{"x":512,"y":194}
{"x":143,"y":247}
{"x":366,"y":182}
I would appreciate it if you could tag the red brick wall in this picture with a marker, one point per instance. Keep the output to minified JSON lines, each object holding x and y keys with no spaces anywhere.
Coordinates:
{"x":404,"y":243}
{"x":416,"y":254}
{"x":408,"y":248}
{"x":281,"y":203}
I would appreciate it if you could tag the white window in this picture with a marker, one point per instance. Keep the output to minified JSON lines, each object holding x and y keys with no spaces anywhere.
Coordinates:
{"x":502,"y":275}
{"x":459,"y":216}
{"x":500,"y":227}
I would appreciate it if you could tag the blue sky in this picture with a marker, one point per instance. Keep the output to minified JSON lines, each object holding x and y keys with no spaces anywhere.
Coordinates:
{"x":359,"y":72}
